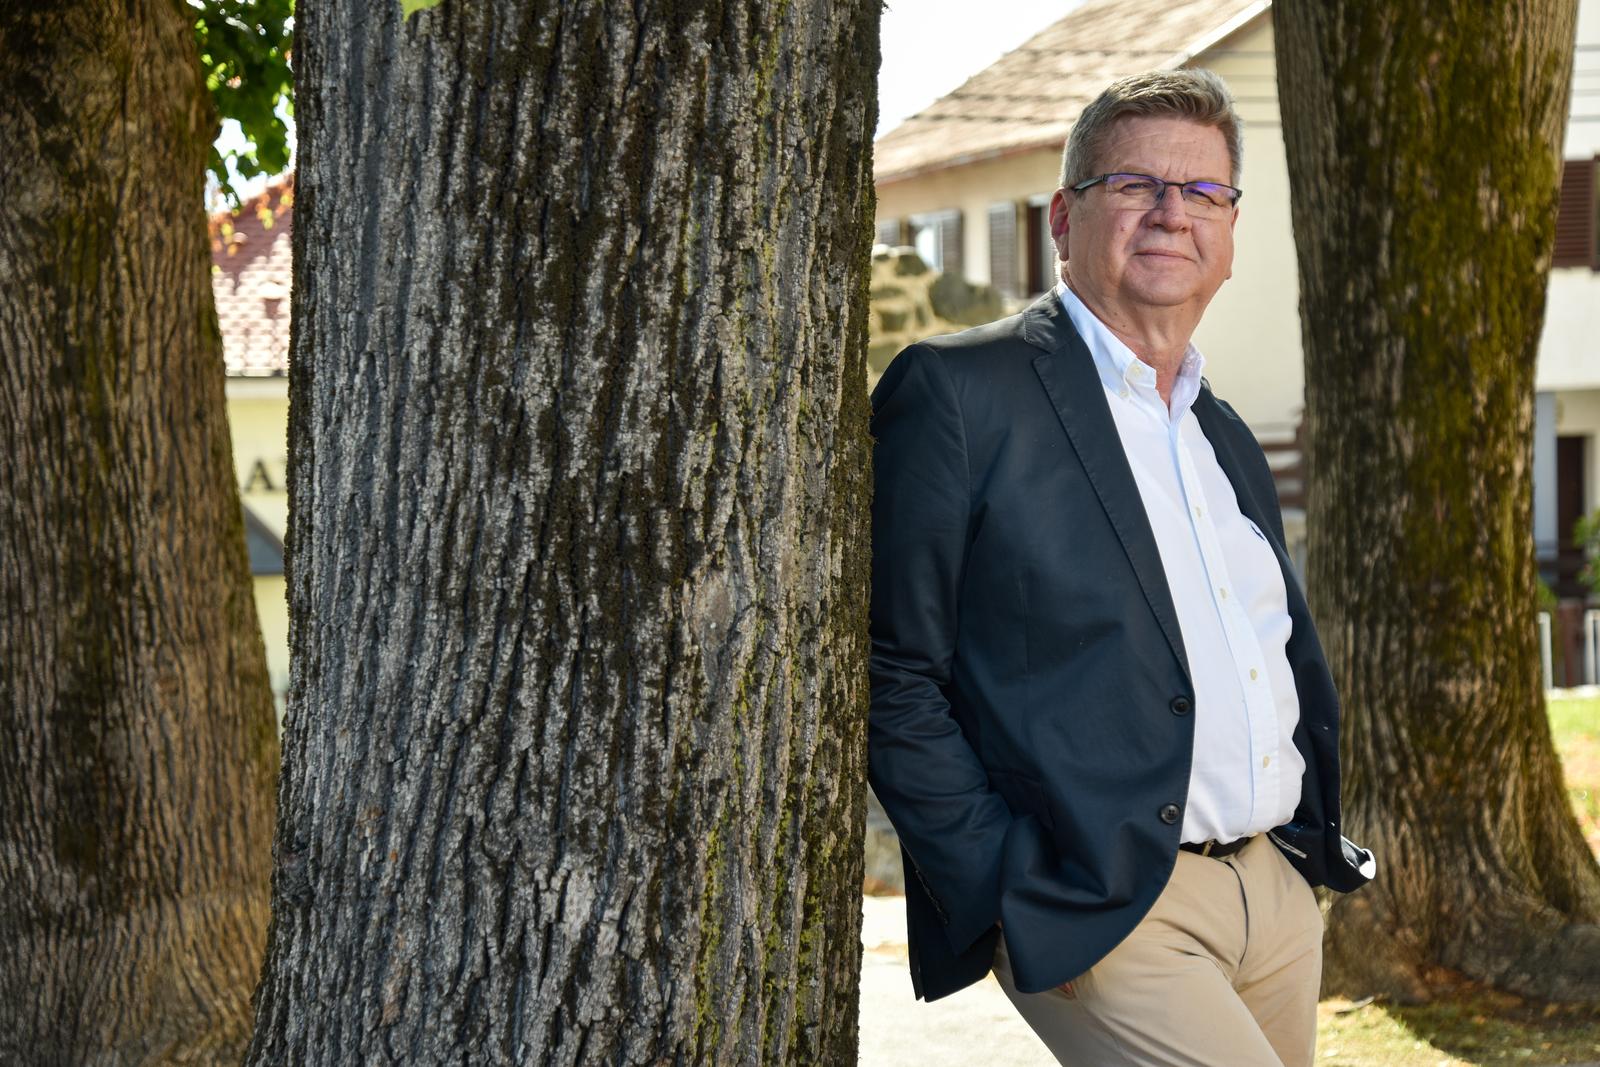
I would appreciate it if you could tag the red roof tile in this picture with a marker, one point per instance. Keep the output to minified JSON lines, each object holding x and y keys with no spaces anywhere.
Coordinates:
{"x":251,"y":277}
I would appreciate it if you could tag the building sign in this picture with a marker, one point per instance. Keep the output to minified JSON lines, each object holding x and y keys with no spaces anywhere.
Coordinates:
{"x":265,"y":475}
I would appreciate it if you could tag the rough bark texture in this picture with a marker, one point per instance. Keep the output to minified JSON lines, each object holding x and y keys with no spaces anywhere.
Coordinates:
{"x":574,"y":758}
{"x":1424,"y":141}
{"x":136,"y":788}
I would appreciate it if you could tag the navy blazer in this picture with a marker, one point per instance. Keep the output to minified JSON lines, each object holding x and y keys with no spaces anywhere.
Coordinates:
{"x":1030,"y":725}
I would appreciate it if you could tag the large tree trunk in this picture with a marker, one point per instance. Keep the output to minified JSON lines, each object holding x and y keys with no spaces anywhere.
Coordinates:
{"x":136,"y":790}
{"x":1424,"y":142}
{"x":578,"y":491}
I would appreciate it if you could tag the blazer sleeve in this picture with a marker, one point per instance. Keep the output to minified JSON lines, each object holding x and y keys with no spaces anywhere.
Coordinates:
{"x":924,"y":772}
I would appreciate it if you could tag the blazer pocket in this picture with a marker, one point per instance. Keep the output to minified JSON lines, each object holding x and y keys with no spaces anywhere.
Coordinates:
{"x":1023,"y":795}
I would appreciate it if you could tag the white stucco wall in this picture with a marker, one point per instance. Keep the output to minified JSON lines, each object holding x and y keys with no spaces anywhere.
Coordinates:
{"x":1583,"y":132}
{"x":1569,"y":349}
{"x":272,"y":612}
{"x":258,"y":413}
{"x":1251,"y":333}
{"x":258,"y":420}
{"x":973,"y":188}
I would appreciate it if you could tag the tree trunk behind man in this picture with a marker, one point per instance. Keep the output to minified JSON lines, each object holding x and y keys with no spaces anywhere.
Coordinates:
{"x":1424,"y":142}
{"x":136,"y":789}
{"x":578,"y":547}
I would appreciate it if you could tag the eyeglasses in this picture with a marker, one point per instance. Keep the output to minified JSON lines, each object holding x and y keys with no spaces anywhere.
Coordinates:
{"x":1203,"y":200}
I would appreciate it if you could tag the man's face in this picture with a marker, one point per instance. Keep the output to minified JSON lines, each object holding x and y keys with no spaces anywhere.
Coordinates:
{"x":1160,"y":257}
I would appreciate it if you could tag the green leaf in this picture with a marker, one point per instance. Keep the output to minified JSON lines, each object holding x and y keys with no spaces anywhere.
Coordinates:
{"x":244,"y":50}
{"x":411,"y":7}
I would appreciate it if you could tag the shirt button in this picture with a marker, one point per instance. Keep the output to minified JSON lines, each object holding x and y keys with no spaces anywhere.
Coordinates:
{"x":1265,"y":760}
{"x":1199,"y":512}
{"x":1169,"y":813}
{"x":1252,"y":674}
{"x":1222,"y":591}
{"x":1180,"y":706}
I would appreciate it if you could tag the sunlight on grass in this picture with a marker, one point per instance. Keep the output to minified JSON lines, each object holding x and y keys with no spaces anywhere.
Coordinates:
{"x":1576,"y":727}
{"x":1484,"y":1027}
{"x":1478,"y":1029}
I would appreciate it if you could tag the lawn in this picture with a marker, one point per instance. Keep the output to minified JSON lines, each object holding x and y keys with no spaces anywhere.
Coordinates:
{"x":1576,"y":726}
{"x":1476,"y":1027}
{"x":1479,"y":1028}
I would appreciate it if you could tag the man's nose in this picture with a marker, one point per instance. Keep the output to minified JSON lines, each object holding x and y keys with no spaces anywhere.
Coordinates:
{"x":1169,"y":208}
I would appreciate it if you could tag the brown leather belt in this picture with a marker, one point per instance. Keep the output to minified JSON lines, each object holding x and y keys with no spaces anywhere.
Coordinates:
{"x":1216,"y":849}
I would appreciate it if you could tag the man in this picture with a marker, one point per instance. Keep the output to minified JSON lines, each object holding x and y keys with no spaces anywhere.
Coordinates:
{"x":1101,"y":722}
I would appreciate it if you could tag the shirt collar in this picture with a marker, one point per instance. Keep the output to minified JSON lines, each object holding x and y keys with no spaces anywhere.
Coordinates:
{"x":1120,"y":370}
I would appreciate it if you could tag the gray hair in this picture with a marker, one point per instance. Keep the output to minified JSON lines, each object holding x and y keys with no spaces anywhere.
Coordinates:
{"x":1196,"y":95}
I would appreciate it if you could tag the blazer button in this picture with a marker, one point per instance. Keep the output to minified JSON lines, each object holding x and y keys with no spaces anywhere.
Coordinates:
{"x":1169,"y":813}
{"x":1181,"y":706}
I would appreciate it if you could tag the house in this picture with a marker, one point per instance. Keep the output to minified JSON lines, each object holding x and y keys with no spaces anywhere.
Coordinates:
{"x":968,"y":180}
{"x":250,"y":277}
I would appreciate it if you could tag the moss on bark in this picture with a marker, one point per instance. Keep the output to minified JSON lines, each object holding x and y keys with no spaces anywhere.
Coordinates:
{"x":1423,"y":143}
{"x":575,"y":752}
{"x":136,"y":798}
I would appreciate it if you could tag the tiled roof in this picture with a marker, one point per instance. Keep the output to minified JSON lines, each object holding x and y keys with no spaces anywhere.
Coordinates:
{"x":251,"y":275}
{"x":1030,"y":97}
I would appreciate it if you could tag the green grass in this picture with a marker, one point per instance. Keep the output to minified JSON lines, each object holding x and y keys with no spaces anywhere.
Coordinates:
{"x":1476,"y":1027}
{"x":1576,"y":727}
{"x":1472,"y":1029}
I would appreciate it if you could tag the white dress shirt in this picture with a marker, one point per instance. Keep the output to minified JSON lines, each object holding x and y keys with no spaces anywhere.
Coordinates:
{"x":1228,"y":591}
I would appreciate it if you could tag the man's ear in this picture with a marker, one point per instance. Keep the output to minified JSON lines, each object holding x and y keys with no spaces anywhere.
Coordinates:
{"x":1060,"y":223}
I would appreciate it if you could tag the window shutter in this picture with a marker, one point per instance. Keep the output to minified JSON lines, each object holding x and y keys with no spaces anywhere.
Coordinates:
{"x":1575,"y":245}
{"x":950,"y":243}
{"x":887,"y":232}
{"x":1003,"y":259}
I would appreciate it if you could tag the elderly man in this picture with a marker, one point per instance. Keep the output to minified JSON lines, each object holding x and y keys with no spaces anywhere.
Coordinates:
{"x":1102,"y":723}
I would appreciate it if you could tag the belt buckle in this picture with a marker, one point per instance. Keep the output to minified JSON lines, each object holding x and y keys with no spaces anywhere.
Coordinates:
{"x":1205,"y":850}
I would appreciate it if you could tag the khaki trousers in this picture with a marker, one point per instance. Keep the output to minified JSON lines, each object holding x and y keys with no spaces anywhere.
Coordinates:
{"x":1223,"y":972}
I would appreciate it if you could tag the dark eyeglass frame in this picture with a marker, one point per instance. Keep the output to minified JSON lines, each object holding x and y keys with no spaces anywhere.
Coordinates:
{"x":1234,"y":194}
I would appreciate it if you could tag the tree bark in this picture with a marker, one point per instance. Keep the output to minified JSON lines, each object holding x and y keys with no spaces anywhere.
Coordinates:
{"x":1424,"y":144}
{"x":574,"y":757}
{"x":136,"y":795}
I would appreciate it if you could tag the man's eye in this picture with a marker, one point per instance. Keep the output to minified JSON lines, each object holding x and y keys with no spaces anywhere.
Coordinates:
{"x":1206,"y":193}
{"x":1134,"y":185}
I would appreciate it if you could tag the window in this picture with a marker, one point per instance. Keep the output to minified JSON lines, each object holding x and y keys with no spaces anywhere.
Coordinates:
{"x":888,"y":232}
{"x":937,"y":237}
{"x":1575,"y":220}
{"x":1003,"y":257}
{"x":1571,"y":479}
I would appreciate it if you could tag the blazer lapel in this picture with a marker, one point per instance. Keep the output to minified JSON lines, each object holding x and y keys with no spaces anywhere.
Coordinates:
{"x":1067,"y":371}
{"x":1214,"y":423}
